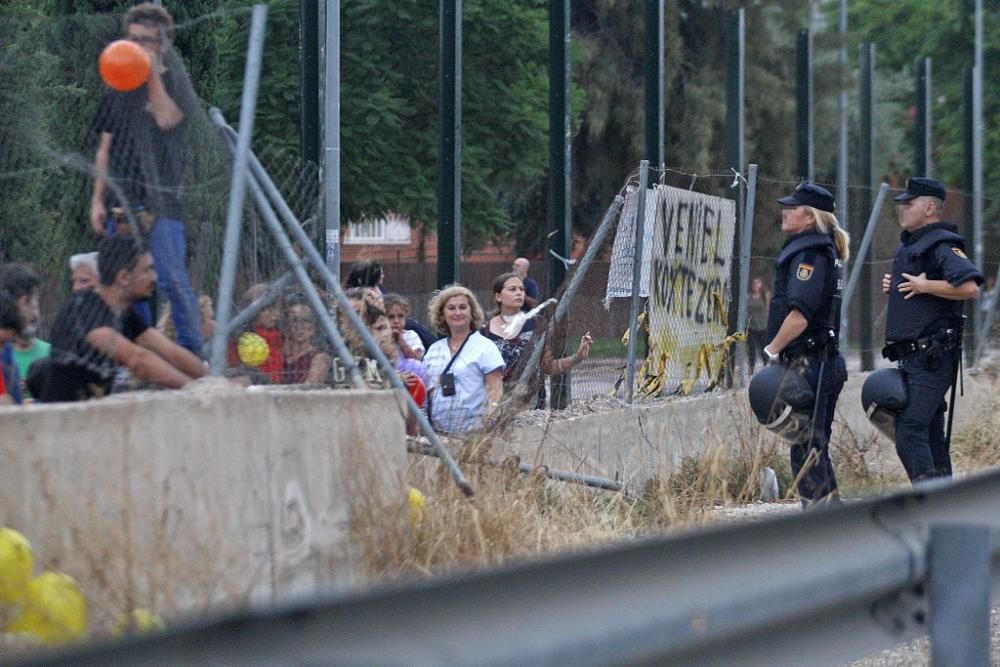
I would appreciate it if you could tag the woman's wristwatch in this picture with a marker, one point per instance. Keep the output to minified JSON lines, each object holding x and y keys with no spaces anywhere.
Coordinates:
{"x":771,"y":356}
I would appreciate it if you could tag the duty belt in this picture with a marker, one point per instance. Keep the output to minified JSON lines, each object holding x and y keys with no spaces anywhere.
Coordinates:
{"x":821,"y":342}
{"x":942,"y":340}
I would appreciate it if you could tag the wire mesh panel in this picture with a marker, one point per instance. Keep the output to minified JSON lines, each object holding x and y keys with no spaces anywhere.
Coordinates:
{"x":685,"y":290}
{"x":103,"y":135}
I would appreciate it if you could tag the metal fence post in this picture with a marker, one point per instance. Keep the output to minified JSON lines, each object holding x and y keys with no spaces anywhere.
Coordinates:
{"x":449,"y":189}
{"x":866,"y":161}
{"x":234,"y":217}
{"x":746,"y":243}
{"x":859,"y":261}
{"x":804,"y":113}
{"x":331,"y":137}
{"x":633,"y":320}
{"x":977,"y":161}
{"x":923,"y":131}
{"x":959,"y":569}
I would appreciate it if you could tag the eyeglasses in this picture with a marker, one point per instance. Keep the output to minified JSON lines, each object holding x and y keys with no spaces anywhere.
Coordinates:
{"x":300,"y":321}
{"x":145,"y":40}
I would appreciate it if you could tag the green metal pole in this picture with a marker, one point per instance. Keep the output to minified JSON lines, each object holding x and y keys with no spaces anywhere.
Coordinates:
{"x":450,"y":143}
{"x":804,"y":104}
{"x":866,"y":159}
{"x":968,"y":185}
{"x":654,"y":82}
{"x":560,"y":129}
{"x":735,"y":57}
{"x":309,"y":79}
{"x":922,"y":128}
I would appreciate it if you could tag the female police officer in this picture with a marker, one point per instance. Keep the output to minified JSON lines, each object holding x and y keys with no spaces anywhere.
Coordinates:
{"x":803,"y":325}
{"x":930,"y":278}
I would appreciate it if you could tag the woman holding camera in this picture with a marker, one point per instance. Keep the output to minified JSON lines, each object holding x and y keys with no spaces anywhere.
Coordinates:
{"x":465,"y":368}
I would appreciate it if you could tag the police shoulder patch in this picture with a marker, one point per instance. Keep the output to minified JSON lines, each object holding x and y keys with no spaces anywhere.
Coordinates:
{"x":958,"y":251}
{"x":804,"y":272}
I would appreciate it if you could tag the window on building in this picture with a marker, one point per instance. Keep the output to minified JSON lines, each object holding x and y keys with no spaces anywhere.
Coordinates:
{"x":390,"y":229}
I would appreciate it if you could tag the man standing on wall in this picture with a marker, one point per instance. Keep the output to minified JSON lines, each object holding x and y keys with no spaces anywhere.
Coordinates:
{"x":138,"y":165}
{"x":532,"y":293}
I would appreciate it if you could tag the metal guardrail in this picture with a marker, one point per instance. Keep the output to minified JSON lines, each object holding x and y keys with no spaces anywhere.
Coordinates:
{"x":816,"y":588}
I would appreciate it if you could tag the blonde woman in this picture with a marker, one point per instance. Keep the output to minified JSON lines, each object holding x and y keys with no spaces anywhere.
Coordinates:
{"x":465,"y":369}
{"x":804,"y":323}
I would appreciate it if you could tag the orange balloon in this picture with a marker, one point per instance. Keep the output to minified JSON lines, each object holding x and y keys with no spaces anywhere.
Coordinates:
{"x":124,"y":65}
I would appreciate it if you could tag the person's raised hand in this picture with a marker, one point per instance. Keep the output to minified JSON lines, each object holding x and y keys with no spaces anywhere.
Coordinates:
{"x":584,"y":350}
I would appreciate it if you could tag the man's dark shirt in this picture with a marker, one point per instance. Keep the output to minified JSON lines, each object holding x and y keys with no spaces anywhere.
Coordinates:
{"x":146,"y":163}
{"x":530,"y":289}
{"x":79,"y":371}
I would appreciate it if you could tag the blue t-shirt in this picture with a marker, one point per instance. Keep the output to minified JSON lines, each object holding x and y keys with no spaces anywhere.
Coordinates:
{"x":530,"y":289}
{"x":10,"y":375}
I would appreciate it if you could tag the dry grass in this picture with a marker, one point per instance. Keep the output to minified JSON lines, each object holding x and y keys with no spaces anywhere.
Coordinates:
{"x":976,"y":446}
{"x":515,"y":516}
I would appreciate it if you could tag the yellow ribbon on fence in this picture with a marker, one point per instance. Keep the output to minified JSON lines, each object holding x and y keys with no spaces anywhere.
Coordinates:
{"x":711,"y":359}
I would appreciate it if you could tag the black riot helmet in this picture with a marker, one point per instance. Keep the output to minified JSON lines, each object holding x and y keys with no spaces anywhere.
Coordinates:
{"x":883,"y":396}
{"x":782,"y":401}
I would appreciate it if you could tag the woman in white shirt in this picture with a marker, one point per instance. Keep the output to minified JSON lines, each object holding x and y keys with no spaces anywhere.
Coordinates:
{"x":465,"y":369}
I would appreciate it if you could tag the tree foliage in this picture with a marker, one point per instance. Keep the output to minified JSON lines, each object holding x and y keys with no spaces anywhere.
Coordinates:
{"x":389,"y":113}
{"x":945,"y":32}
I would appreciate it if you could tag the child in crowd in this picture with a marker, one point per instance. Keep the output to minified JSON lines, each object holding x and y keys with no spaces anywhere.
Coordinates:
{"x":305,"y":363}
{"x":267,"y":326}
{"x":408,"y":343}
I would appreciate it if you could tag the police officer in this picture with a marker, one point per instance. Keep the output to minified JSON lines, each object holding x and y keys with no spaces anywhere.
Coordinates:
{"x":930,"y":278}
{"x":803,"y":325}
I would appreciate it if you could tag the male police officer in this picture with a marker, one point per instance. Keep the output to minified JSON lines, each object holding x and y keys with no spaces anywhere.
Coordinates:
{"x":931,"y":276}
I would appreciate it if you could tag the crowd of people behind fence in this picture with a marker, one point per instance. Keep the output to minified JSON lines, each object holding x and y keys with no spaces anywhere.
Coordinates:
{"x":101,"y":341}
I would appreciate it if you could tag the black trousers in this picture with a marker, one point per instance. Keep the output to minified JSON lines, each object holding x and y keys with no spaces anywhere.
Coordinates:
{"x":920,"y":426}
{"x":818,"y":479}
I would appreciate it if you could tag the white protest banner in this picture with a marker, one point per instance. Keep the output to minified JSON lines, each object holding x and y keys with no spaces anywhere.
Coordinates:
{"x":687,"y":252}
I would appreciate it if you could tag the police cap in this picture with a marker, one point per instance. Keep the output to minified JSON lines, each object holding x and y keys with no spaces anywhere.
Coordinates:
{"x":918,"y":186}
{"x":810,"y":194}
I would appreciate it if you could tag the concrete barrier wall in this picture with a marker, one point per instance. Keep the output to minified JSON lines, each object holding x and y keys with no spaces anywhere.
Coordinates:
{"x":647,"y":440}
{"x":183,"y":501}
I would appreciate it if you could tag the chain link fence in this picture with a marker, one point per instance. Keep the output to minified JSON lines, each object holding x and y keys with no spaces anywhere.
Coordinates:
{"x":50,"y":111}
{"x":80,"y":161}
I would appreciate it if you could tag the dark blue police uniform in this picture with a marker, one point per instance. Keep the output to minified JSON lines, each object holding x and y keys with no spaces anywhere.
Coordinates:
{"x":923,"y":334}
{"x":808,"y":277}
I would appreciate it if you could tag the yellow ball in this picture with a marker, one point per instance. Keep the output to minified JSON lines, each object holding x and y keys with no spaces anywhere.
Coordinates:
{"x":54,"y":610}
{"x":253,"y":349}
{"x":16,"y":565}
{"x":417,"y":504}
{"x":138,"y":621}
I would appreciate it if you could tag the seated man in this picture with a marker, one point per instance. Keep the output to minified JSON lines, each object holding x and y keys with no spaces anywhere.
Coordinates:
{"x":98,"y":330}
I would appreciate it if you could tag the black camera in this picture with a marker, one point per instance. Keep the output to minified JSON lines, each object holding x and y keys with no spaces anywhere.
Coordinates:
{"x":447,"y":384}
